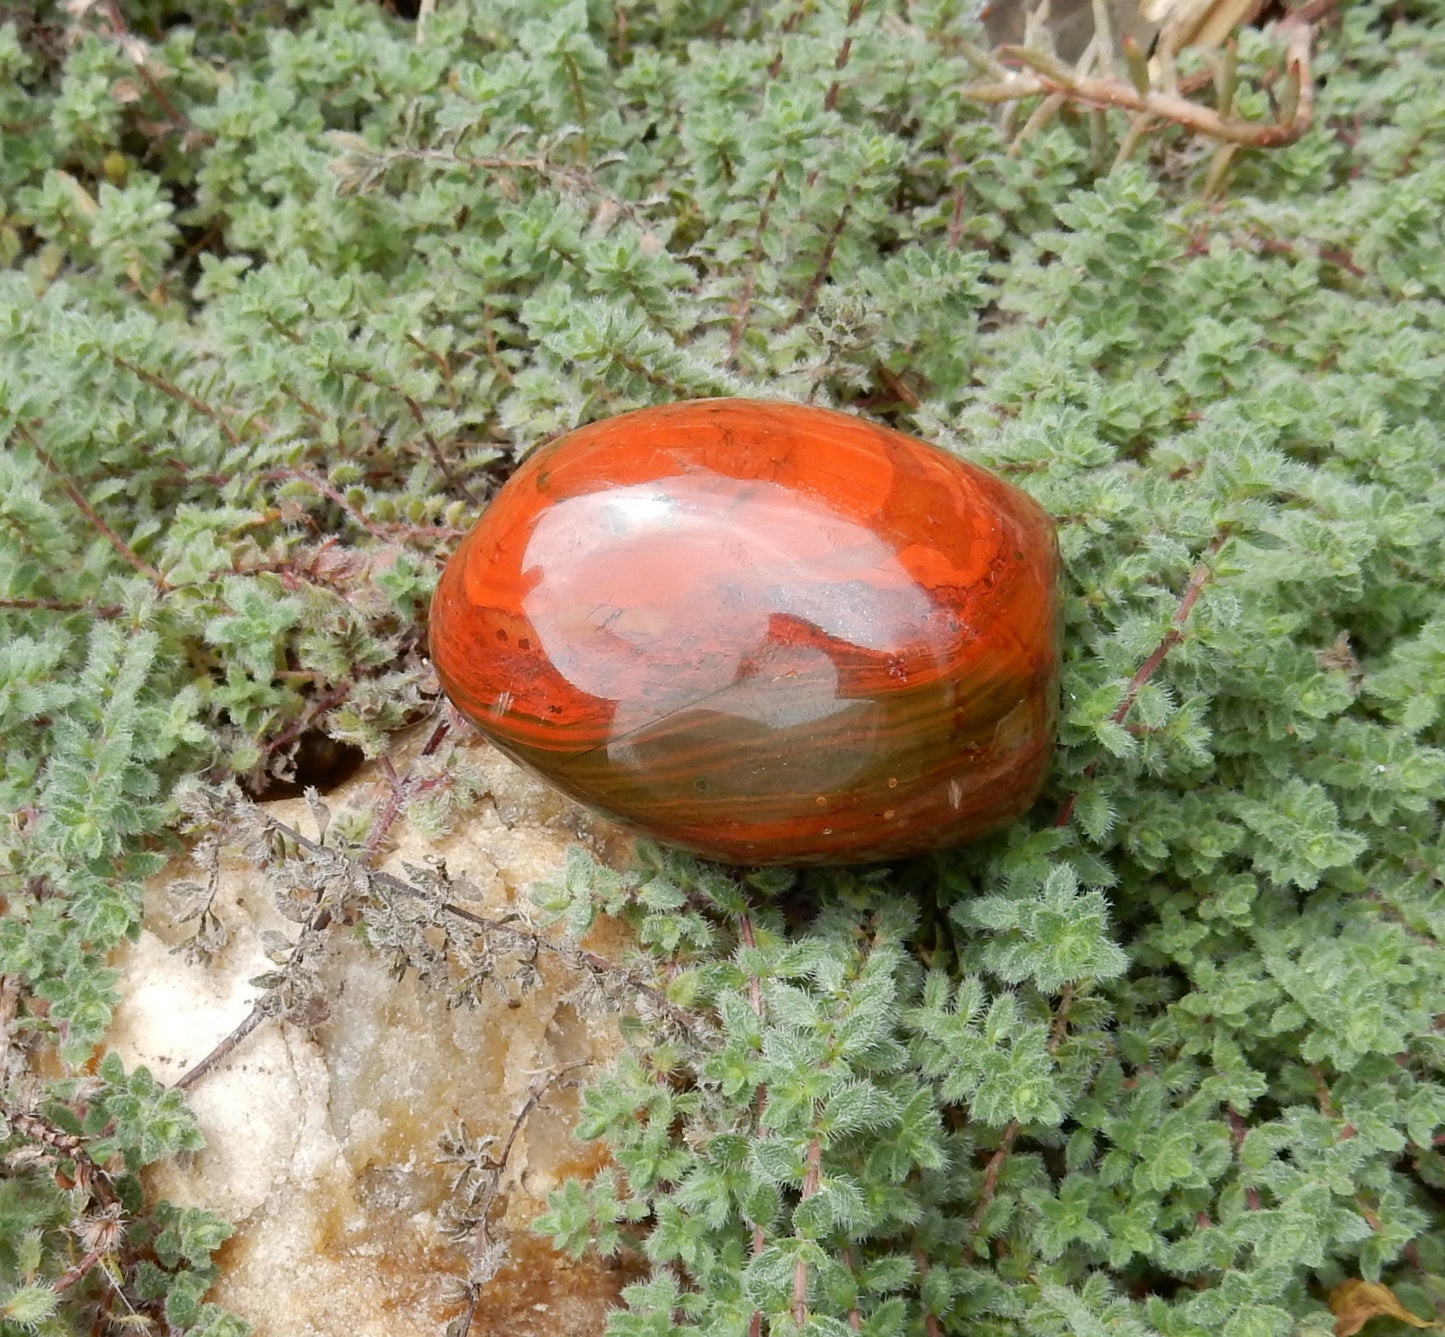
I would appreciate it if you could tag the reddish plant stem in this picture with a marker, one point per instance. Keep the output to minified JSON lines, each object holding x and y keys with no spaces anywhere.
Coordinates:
{"x":305,"y":406}
{"x":1058,"y":1029}
{"x":955,"y":218}
{"x":894,"y":383}
{"x":855,"y":12}
{"x":412,"y":407}
{"x":800,"y":1268}
{"x":307,"y":718}
{"x":1239,"y":1131}
{"x":989,"y":1188}
{"x":441,"y":364}
{"x":436,"y":451}
{"x":399,"y":789}
{"x":755,"y":987}
{"x":64,"y":606}
{"x":825,"y":263}
{"x":396,"y":784}
{"x":855,"y":1319}
{"x":74,"y":1274}
{"x":493,"y":355}
{"x":331,"y":494}
{"x":745,"y":304}
{"x":175,"y":392}
{"x":930,"y":1320}
{"x":760,"y":1096}
{"x":1323,"y":1098}
{"x":1200,"y":578}
{"x":122,"y":548}
{"x":119,"y":25}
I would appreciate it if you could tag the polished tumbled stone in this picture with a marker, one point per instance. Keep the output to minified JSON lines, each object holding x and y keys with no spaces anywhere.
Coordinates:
{"x":763,"y":632}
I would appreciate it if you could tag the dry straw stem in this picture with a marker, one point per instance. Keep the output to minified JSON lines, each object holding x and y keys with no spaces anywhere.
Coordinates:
{"x":1050,"y":78}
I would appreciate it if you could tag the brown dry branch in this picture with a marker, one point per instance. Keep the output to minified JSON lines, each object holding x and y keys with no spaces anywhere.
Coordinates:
{"x":90,"y":1179}
{"x":222,"y":1051}
{"x":273,"y":1001}
{"x":99,"y":1222}
{"x":1046,"y":76}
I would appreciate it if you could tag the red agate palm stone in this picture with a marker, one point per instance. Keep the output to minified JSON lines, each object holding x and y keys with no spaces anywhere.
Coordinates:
{"x":765,"y":633}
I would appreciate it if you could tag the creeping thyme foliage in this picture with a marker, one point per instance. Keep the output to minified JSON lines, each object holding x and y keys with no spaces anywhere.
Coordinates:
{"x":284,"y":289}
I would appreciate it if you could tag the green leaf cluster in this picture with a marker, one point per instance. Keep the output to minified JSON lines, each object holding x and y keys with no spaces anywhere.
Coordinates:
{"x":285,"y":290}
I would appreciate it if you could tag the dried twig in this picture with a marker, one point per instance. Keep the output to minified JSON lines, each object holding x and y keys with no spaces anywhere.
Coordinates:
{"x":1048,"y":77}
{"x":90,"y":1179}
{"x":487,"y":1250}
{"x":514,"y":936}
{"x":222,"y":1051}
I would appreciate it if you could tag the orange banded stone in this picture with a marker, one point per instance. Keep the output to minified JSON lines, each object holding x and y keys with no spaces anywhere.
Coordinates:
{"x":766,"y":633}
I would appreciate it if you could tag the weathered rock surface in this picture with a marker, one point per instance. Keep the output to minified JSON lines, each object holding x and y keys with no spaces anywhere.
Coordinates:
{"x":322,"y":1145}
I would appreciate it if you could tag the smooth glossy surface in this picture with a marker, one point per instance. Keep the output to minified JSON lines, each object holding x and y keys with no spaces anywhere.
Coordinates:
{"x":763,"y":632}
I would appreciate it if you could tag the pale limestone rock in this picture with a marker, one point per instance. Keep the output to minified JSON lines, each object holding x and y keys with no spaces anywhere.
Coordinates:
{"x":322,"y":1146}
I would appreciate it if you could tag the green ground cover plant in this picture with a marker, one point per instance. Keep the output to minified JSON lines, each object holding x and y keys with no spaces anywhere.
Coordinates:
{"x":283,"y":291}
